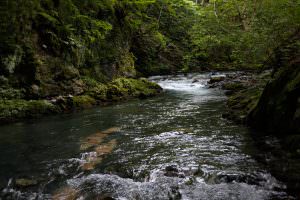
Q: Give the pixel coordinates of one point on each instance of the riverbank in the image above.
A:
(243, 90)
(15, 107)
(251, 100)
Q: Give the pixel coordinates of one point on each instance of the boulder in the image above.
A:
(279, 106)
(22, 182)
(216, 79)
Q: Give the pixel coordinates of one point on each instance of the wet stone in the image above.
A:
(171, 171)
(22, 182)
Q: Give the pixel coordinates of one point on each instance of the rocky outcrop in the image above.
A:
(243, 90)
(278, 110)
(13, 105)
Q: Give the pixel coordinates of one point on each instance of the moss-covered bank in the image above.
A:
(278, 110)
(14, 108)
(243, 90)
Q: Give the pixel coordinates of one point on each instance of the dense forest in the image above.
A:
(57, 56)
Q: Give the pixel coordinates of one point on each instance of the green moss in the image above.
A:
(11, 110)
(46, 18)
(276, 111)
(135, 87)
(233, 86)
(84, 101)
(116, 93)
(11, 93)
(99, 92)
(121, 88)
(126, 65)
(95, 92)
(241, 103)
(89, 82)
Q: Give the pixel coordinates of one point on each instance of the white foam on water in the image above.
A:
(183, 83)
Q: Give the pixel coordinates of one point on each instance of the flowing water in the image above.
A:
(174, 146)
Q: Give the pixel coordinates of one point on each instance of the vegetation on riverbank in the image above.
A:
(95, 93)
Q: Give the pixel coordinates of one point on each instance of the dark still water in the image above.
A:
(174, 146)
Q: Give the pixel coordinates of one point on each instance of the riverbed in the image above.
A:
(173, 146)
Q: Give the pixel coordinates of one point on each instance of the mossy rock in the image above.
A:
(95, 93)
(233, 87)
(277, 111)
(121, 88)
(22, 182)
(241, 103)
(83, 101)
(136, 87)
(12, 110)
(11, 93)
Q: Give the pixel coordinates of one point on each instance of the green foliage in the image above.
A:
(11, 93)
(83, 101)
(133, 87)
(98, 91)
(242, 34)
(121, 88)
(15, 109)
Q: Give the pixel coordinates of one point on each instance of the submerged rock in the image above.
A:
(216, 78)
(99, 149)
(97, 138)
(22, 182)
(65, 193)
(171, 171)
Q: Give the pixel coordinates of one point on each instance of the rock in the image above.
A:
(11, 93)
(35, 89)
(83, 101)
(216, 79)
(78, 87)
(70, 72)
(171, 168)
(171, 171)
(225, 177)
(277, 110)
(233, 86)
(22, 182)
(65, 193)
(67, 95)
(106, 198)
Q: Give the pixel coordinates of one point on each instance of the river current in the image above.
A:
(174, 146)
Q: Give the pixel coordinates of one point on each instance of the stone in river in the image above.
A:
(216, 78)
(22, 182)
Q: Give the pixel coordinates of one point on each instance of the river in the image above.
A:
(173, 146)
